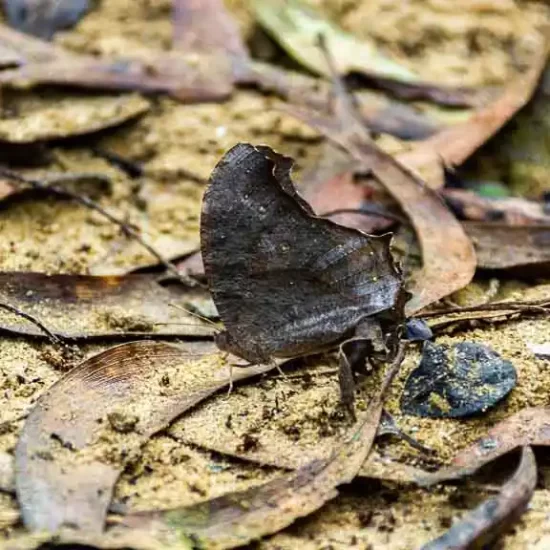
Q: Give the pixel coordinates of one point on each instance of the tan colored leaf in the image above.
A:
(93, 422)
(70, 116)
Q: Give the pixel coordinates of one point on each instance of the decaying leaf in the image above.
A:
(297, 28)
(206, 27)
(92, 422)
(67, 116)
(451, 383)
(190, 77)
(530, 426)
(43, 18)
(238, 518)
(448, 255)
(7, 473)
(523, 249)
(285, 282)
(79, 306)
(455, 144)
(481, 526)
(468, 205)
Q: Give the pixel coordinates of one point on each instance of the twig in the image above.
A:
(534, 305)
(92, 205)
(54, 339)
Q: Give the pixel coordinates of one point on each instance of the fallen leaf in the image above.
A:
(43, 18)
(67, 116)
(191, 77)
(530, 426)
(521, 249)
(455, 144)
(7, 473)
(380, 113)
(466, 379)
(485, 523)
(468, 205)
(448, 255)
(285, 282)
(93, 422)
(206, 26)
(80, 306)
(238, 518)
(297, 28)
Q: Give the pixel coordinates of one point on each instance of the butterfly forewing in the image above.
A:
(284, 281)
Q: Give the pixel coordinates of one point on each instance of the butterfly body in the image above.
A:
(285, 282)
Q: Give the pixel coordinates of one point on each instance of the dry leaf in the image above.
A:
(239, 518)
(522, 249)
(68, 117)
(482, 525)
(80, 306)
(530, 426)
(93, 422)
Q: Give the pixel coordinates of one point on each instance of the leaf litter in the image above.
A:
(174, 142)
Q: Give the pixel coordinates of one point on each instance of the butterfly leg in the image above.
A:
(346, 382)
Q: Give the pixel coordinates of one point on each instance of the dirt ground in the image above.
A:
(234, 441)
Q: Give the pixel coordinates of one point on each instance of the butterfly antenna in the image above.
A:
(194, 314)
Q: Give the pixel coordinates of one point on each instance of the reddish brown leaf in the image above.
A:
(486, 522)
(523, 249)
(79, 306)
(455, 144)
(206, 26)
(448, 255)
(192, 77)
(91, 423)
(531, 426)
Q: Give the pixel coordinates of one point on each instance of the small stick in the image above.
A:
(54, 339)
(92, 205)
(536, 305)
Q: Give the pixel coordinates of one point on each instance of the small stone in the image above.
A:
(467, 379)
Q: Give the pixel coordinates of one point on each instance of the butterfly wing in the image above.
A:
(284, 281)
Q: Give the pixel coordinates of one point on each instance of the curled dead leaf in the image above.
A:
(495, 515)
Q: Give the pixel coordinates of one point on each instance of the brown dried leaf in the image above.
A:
(191, 77)
(448, 255)
(238, 518)
(455, 144)
(206, 26)
(523, 249)
(68, 117)
(510, 211)
(495, 515)
(530, 426)
(93, 422)
(79, 306)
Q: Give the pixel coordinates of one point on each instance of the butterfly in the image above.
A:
(286, 282)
